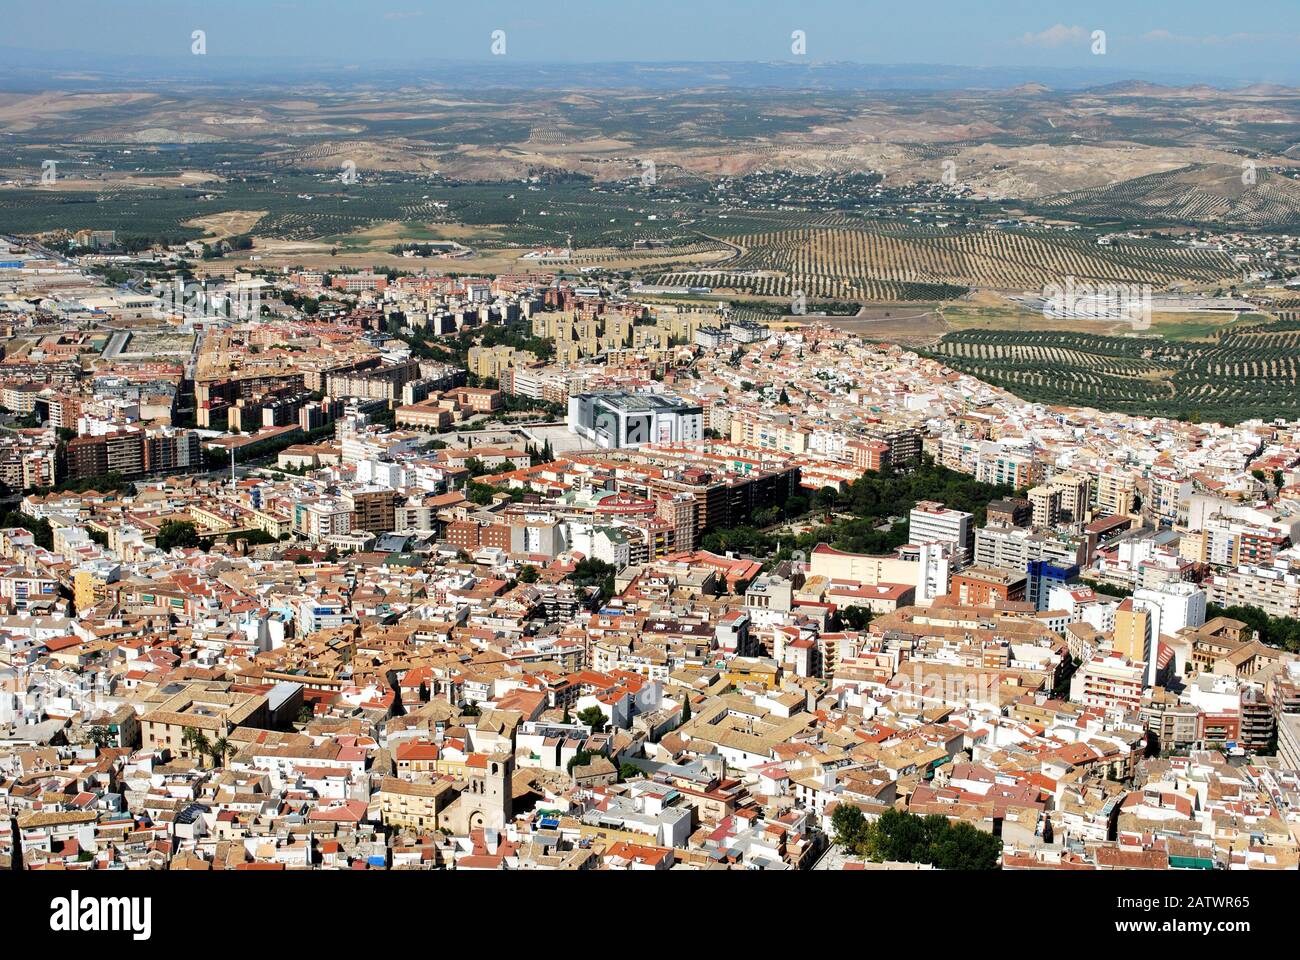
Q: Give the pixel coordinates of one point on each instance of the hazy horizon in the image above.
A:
(1184, 42)
(17, 76)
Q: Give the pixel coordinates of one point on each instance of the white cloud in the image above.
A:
(1055, 36)
(1167, 36)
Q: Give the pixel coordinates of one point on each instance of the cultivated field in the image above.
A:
(1244, 372)
(860, 263)
(1197, 193)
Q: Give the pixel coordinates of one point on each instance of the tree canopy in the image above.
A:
(877, 505)
(906, 838)
(593, 717)
(177, 533)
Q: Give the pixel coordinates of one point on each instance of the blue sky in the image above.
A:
(1250, 40)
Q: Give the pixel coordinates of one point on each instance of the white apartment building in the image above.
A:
(931, 522)
(1012, 548)
(1274, 591)
(1109, 682)
(325, 517)
(1083, 605)
(1172, 606)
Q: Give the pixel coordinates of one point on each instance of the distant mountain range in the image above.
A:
(25, 70)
